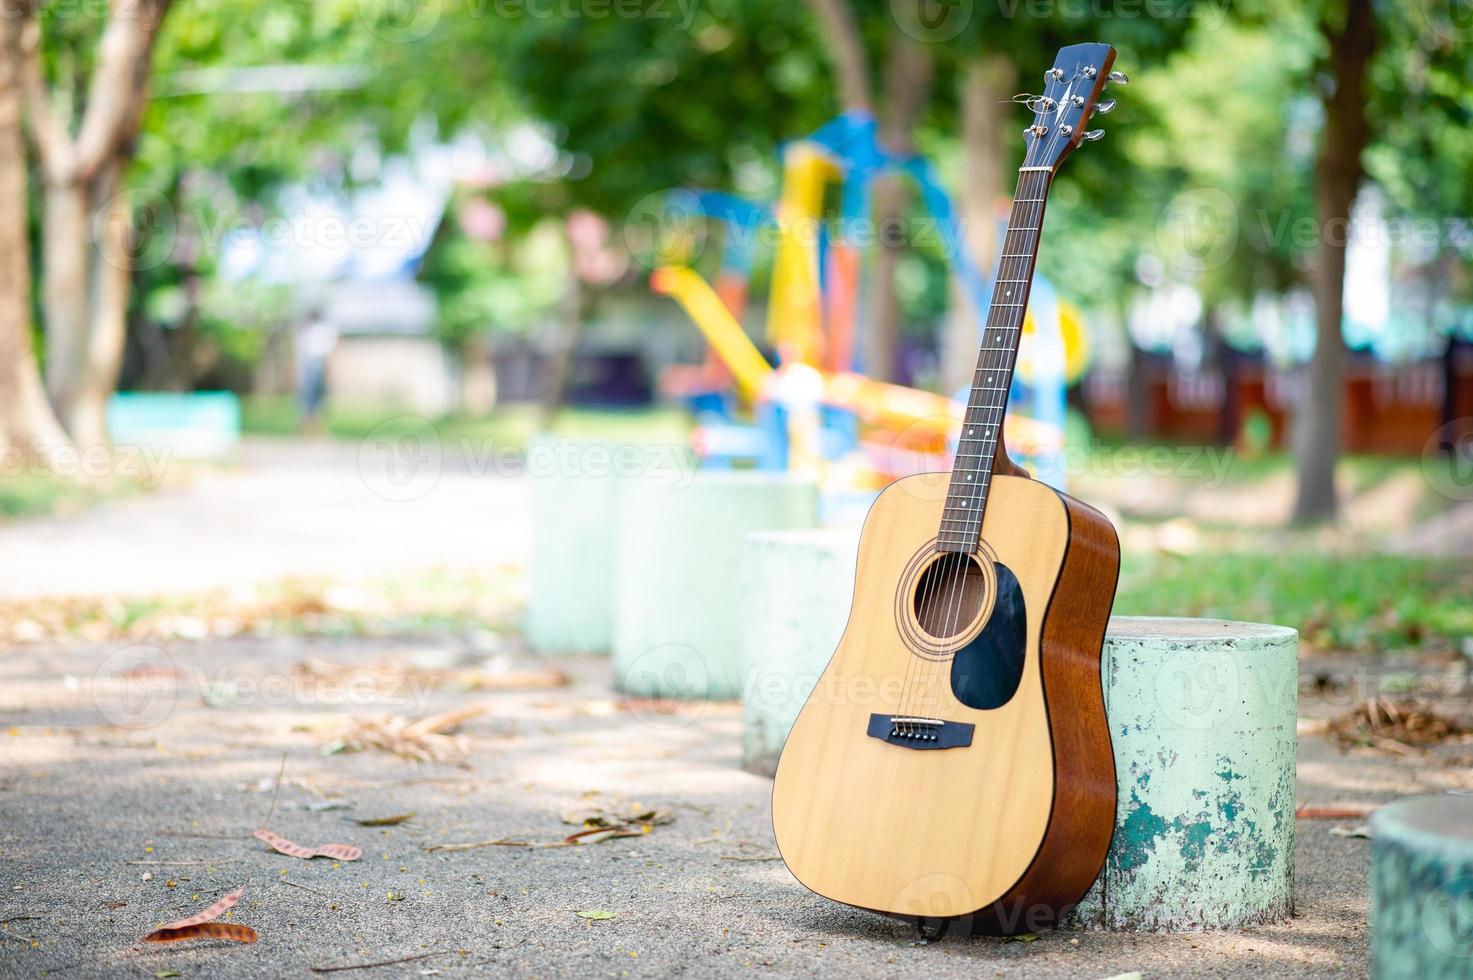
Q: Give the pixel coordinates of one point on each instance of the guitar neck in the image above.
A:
(981, 433)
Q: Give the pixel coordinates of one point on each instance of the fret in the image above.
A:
(966, 497)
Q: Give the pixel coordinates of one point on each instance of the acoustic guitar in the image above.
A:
(954, 759)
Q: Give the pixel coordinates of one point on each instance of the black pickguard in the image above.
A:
(986, 672)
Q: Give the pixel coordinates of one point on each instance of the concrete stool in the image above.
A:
(570, 604)
(1202, 716)
(677, 561)
(1422, 889)
(796, 589)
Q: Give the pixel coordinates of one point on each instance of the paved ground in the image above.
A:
(342, 510)
(86, 805)
(131, 779)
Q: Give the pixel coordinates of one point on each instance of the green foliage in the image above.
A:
(1370, 603)
(509, 285)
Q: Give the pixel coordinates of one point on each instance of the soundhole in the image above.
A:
(949, 595)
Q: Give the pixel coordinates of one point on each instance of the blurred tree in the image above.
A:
(1350, 34)
(86, 218)
(28, 427)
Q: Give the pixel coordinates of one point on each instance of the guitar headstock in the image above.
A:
(1071, 96)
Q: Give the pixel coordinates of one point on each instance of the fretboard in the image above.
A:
(981, 432)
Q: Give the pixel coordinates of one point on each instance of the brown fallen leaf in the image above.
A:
(616, 813)
(343, 852)
(1396, 724)
(1309, 812)
(427, 740)
(202, 925)
(597, 835)
(513, 680)
(393, 821)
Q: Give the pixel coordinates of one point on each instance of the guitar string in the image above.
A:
(923, 694)
(961, 564)
(1033, 199)
(920, 695)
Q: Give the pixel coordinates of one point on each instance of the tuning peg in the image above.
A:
(1094, 135)
(1105, 107)
(1119, 78)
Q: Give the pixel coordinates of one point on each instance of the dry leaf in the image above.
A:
(1307, 811)
(384, 821)
(201, 925)
(1395, 724)
(513, 680)
(596, 914)
(342, 852)
(1361, 831)
(427, 740)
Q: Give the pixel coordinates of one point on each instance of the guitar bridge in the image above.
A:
(914, 732)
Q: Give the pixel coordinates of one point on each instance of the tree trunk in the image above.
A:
(85, 262)
(108, 324)
(985, 83)
(66, 258)
(560, 359)
(845, 49)
(907, 88)
(27, 425)
(1337, 179)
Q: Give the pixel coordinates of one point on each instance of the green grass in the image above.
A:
(36, 495)
(1368, 603)
(512, 426)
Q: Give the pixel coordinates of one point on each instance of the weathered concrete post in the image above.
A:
(570, 604)
(796, 588)
(1422, 889)
(1202, 716)
(677, 562)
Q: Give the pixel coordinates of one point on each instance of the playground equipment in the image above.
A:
(817, 412)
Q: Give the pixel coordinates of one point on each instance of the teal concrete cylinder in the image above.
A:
(1202, 717)
(796, 592)
(570, 600)
(677, 561)
(1422, 889)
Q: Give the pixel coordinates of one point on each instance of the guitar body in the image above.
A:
(997, 798)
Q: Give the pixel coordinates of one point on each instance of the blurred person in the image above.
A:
(315, 342)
